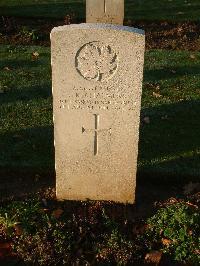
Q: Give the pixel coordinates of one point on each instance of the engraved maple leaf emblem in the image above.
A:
(96, 61)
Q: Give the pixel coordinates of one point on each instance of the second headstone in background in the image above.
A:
(105, 11)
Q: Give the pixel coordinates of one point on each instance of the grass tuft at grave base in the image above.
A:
(169, 133)
(42, 231)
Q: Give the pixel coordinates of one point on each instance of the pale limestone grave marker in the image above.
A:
(105, 11)
(97, 80)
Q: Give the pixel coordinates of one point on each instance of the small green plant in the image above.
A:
(176, 230)
(116, 249)
(28, 34)
(88, 235)
(7, 222)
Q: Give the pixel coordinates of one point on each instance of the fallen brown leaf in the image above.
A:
(191, 187)
(140, 228)
(190, 232)
(44, 201)
(146, 120)
(166, 242)
(5, 245)
(35, 55)
(192, 205)
(154, 257)
(57, 213)
(7, 68)
(172, 200)
(157, 95)
(45, 210)
(197, 251)
(37, 177)
(192, 56)
(18, 229)
(6, 250)
(173, 71)
(153, 86)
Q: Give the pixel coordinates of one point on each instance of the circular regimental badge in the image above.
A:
(96, 61)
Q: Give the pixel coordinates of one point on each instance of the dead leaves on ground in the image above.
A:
(57, 213)
(7, 68)
(5, 249)
(18, 229)
(166, 242)
(35, 56)
(146, 120)
(191, 188)
(156, 89)
(157, 95)
(192, 56)
(152, 86)
(173, 200)
(154, 258)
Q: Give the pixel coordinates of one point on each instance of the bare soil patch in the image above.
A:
(159, 34)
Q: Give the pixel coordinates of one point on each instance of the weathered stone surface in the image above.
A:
(97, 80)
(105, 11)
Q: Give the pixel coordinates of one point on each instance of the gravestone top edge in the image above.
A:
(100, 26)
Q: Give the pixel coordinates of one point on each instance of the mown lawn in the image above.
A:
(173, 10)
(169, 144)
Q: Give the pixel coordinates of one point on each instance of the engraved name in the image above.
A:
(95, 99)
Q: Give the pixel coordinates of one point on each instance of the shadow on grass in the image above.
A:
(27, 94)
(170, 73)
(33, 79)
(169, 151)
(25, 64)
(161, 10)
(49, 10)
(26, 161)
(32, 148)
(170, 144)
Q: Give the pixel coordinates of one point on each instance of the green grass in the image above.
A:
(95, 233)
(169, 144)
(174, 10)
(26, 108)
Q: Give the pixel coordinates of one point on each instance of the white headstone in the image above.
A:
(97, 85)
(105, 11)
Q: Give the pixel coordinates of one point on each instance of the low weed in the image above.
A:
(88, 233)
(175, 230)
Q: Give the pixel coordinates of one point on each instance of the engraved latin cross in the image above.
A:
(96, 132)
